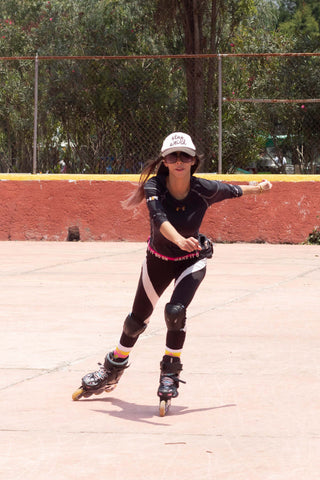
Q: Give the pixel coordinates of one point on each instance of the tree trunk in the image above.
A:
(194, 70)
(211, 87)
(201, 73)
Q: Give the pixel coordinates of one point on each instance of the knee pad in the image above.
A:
(175, 316)
(133, 327)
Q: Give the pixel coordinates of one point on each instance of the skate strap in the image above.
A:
(174, 377)
(181, 381)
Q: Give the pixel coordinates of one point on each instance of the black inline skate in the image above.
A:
(103, 380)
(169, 382)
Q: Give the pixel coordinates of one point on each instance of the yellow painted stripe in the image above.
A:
(25, 177)
(258, 177)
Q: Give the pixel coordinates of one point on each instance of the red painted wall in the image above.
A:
(45, 209)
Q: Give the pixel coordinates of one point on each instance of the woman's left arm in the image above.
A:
(261, 187)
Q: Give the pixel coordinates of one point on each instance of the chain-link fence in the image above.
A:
(253, 112)
(276, 99)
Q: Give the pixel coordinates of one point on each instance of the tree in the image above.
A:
(204, 27)
(301, 20)
(246, 126)
(93, 108)
(121, 109)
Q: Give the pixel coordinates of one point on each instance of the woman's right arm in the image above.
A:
(170, 233)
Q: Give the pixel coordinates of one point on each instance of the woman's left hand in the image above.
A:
(265, 185)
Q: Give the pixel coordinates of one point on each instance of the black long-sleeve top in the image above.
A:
(185, 215)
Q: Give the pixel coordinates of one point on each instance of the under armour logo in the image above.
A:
(149, 199)
(181, 208)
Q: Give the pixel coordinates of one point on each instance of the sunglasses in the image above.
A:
(175, 156)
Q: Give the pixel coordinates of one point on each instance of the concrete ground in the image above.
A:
(250, 409)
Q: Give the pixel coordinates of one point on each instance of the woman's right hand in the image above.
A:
(188, 244)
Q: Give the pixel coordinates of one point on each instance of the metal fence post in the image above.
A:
(35, 124)
(220, 114)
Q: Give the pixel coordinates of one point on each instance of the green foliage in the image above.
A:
(81, 104)
(304, 28)
(314, 237)
(90, 110)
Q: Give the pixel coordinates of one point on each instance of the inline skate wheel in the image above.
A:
(77, 394)
(164, 407)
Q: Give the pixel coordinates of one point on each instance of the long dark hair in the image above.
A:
(152, 167)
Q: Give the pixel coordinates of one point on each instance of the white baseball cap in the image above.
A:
(178, 142)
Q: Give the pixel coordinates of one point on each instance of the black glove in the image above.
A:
(206, 246)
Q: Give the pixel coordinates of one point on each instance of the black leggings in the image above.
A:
(156, 276)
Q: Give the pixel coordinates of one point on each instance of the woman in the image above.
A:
(177, 202)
